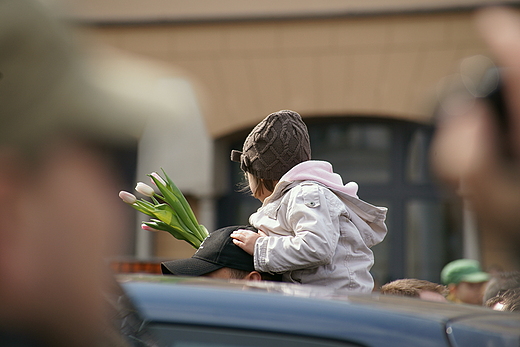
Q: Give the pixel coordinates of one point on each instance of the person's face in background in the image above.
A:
(469, 293)
(60, 219)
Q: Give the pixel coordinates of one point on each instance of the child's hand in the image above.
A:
(246, 239)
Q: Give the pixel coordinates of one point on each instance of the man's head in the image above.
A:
(217, 257)
(465, 280)
(501, 282)
(416, 288)
(59, 212)
(508, 300)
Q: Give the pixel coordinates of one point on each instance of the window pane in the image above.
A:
(417, 168)
(381, 269)
(389, 160)
(425, 239)
(359, 152)
(236, 207)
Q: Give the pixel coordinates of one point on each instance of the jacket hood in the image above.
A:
(320, 171)
(369, 219)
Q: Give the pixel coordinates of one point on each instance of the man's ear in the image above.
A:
(253, 276)
(452, 287)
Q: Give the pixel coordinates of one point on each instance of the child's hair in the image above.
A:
(261, 184)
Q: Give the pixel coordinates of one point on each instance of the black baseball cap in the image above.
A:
(215, 252)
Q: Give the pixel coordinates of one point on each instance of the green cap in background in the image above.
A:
(463, 270)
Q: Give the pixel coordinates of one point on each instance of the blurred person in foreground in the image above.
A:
(468, 147)
(60, 118)
(465, 280)
(416, 288)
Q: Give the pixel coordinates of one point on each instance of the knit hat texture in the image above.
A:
(274, 146)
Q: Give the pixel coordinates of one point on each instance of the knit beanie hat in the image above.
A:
(274, 146)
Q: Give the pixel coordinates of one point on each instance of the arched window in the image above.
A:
(389, 161)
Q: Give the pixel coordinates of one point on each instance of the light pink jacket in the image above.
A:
(319, 231)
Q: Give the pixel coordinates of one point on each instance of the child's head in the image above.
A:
(274, 146)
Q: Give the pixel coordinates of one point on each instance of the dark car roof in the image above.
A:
(371, 320)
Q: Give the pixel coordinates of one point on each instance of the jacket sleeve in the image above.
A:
(311, 213)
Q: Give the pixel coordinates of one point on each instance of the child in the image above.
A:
(313, 229)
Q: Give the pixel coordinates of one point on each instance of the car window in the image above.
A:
(187, 336)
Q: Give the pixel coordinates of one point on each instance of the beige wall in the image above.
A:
(383, 65)
(374, 66)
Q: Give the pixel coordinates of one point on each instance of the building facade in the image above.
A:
(363, 77)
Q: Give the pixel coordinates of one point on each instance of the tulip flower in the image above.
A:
(127, 197)
(169, 210)
(145, 189)
(148, 228)
(157, 177)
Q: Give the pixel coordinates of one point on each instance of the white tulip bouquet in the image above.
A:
(169, 210)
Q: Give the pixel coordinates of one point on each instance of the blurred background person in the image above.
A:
(465, 280)
(416, 288)
(63, 124)
(508, 300)
(501, 282)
